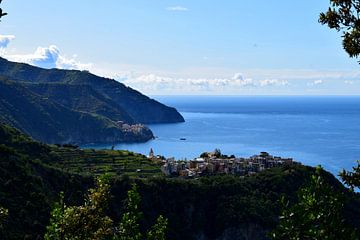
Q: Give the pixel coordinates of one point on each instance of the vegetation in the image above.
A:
(3, 215)
(2, 14)
(89, 221)
(105, 97)
(352, 179)
(30, 181)
(68, 106)
(49, 121)
(130, 223)
(343, 15)
(86, 222)
(33, 174)
(318, 214)
(98, 162)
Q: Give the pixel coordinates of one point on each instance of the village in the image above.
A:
(213, 163)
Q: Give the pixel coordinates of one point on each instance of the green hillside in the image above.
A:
(48, 121)
(219, 207)
(139, 107)
(32, 175)
(81, 98)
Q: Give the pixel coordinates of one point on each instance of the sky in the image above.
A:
(185, 47)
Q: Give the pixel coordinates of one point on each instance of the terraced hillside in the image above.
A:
(96, 162)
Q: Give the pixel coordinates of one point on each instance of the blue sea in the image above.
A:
(321, 130)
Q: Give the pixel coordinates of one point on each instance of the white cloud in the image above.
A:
(349, 82)
(315, 82)
(273, 82)
(154, 83)
(177, 9)
(49, 57)
(45, 57)
(4, 42)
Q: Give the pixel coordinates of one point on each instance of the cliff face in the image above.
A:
(51, 122)
(116, 95)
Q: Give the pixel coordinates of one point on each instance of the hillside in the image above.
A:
(31, 178)
(81, 98)
(218, 207)
(48, 121)
(139, 107)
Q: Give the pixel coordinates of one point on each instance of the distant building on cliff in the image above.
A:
(151, 153)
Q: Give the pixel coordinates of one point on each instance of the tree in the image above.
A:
(130, 222)
(3, 215)
(90, 222)
(217, 152)
(158, 231)
(129, 225)
(344, 15)
(352, 179)
(1, 12)
(316, 215)
(87, 222)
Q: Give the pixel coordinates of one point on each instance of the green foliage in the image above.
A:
(352, 179)
(129, 225)
(3, 215)
(318, 214)
(103, 100)
(30, 181)
(1, 12)
(28, 187)
(343, 15)
(96, 162)
(217, 152)
(158, 231)
(55, 230)
(89, 221)
(86, 222)
(35, 114)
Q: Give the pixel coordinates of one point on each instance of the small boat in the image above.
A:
(182, 139)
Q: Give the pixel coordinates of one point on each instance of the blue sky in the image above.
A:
(185, 47)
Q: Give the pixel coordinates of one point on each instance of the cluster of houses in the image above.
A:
(212, 164)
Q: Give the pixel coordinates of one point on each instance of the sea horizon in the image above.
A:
(314, 131)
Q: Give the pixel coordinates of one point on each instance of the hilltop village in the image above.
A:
(213, 163)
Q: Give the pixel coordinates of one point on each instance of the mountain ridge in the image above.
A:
(71, 106)
(50, 122)
(140, 107)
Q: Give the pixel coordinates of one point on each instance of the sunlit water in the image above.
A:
(313, 130)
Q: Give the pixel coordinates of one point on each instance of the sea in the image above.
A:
(314, 130)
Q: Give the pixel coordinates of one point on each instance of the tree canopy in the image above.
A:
(1, 12)
(316, 215)
(89, 221)
(343, 15)
(352, 178)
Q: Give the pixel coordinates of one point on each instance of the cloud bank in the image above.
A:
(45, 57)
(315, 83)
(177, 9)
(262, 81)
(156, 83)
